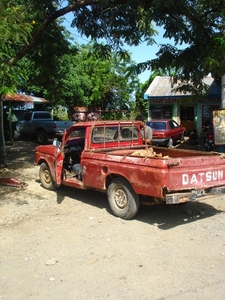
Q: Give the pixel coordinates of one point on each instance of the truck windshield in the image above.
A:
(27, 117)
(77, 136)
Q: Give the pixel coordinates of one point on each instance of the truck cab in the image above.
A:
(89, 136)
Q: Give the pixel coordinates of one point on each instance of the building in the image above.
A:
(19, 103)
(192, 111)
(16, 105)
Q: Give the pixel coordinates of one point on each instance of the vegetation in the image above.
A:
(33, 30)
(15, 30)
(80, 77)
(199, 24)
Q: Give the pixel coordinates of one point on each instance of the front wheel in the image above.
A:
(123, 200)
(182, 137)
(46, 177)
(170, 143)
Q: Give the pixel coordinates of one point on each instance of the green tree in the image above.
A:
(15, 30)
(42, 63)
(82, 78)
(200, 26)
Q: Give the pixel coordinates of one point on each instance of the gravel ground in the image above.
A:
(66, 244)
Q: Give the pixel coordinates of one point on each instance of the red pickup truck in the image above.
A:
(109, 156)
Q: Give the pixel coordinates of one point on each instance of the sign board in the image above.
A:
(219, 126)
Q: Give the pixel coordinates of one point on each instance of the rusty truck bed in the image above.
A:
(169, 171)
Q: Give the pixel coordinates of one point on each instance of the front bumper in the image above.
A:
(160, 142)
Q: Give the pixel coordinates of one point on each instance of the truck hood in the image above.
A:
(48, 150)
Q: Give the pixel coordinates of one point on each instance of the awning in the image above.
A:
(24, 98)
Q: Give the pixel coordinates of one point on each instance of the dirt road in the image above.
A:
(67, 245)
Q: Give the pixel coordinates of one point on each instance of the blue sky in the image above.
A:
(145, 52)
(139, 53)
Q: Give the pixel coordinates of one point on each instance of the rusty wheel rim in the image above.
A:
(47, 177)
(120, 198)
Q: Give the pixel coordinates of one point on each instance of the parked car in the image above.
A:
(166, 132)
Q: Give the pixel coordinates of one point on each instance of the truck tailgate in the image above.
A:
(198, 172)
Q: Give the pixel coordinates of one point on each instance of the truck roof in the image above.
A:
(125, 132)
(37, 111)
(108, 122)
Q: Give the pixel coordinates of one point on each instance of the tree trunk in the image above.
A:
(2, 136)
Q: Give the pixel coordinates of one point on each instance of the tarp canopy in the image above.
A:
(24, 98)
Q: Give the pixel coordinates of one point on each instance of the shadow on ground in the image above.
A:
(166, 216)
(20, 154)
(188, 144)
(163, 216)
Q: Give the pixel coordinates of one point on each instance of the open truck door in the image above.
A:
(59, 159)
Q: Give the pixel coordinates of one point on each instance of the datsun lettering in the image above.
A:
(109, 156)
(201, 177)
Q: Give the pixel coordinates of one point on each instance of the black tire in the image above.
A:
(182, 137)
(46, 177)
(208, 147)
(42, 137)
(123, 200)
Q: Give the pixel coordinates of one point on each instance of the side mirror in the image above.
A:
(57, 143)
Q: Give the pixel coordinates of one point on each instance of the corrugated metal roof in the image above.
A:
(161, 86)
(24, 98)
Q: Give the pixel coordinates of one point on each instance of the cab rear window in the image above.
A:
(42, 116)
(109, 134)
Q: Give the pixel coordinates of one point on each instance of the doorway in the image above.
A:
(187, 116)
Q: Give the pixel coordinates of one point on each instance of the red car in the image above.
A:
(166, 132)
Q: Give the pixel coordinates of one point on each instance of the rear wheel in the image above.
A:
(123, 200)
(42, 137)
(46, 177)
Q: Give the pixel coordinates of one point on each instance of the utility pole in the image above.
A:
(223, 91)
